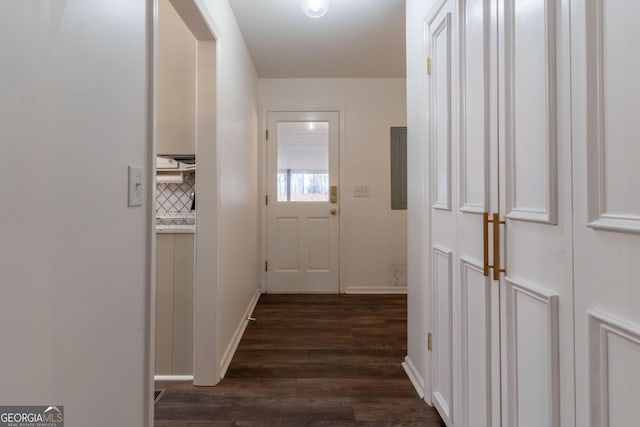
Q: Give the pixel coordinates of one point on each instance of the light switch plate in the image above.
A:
(135, 186)
(361, 191)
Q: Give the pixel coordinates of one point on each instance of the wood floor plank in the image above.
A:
(354, 387)
(381, 410)
(309, 360)
(259, 409)
(324, 369)
(185, 391)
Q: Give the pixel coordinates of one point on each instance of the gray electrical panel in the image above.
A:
(399, 168)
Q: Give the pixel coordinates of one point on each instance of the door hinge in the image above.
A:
(266, 200)
(429, 342)
(428, 66)
(266, 266)
(267, 134)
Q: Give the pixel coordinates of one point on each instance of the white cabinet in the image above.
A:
(174, 304)
(176, 83)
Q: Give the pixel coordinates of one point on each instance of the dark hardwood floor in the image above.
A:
(310, 360)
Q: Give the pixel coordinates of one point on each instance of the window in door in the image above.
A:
(303, 161)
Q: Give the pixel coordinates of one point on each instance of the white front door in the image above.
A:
(303, 202)
(606, 157)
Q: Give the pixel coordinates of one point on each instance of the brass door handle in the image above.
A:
(333, 211)
(496, 245)
(485, 242)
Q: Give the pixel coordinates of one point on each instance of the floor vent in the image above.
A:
(157, 395)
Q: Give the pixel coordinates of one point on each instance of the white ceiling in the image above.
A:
(356, 38)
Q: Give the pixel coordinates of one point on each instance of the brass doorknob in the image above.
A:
(333, 211)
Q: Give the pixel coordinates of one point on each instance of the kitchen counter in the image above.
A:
(181, 228)
(165, 224)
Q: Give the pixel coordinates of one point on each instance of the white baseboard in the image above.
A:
(375, 290)
(237, 336)
(414, 376)
(173, 377)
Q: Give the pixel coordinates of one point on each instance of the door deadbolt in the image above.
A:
(334, 194)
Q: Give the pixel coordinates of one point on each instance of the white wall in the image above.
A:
(418, 218)
(74, 258)
(373, 236)
(238, 237)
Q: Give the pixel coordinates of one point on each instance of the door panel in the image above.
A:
(442, 381)
(533, 356)
(475, 83)
(287, 258)
(615, 377)
(606, 159)
(479, 296)
(441, 112)
(318, 230)
(536, 241)
(302, 225)
(530, 114)
(619, 97)
(613, 104)
(444, 203)
(479, 350)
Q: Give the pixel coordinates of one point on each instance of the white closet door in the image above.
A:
(477, 165)
(510, 338)
(535, 202)
(440, 44)
(606, 129)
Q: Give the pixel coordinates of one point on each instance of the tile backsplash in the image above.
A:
(173, 202)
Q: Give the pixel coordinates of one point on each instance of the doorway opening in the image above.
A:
(184, 328)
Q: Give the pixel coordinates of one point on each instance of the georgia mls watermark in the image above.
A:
(32, 416)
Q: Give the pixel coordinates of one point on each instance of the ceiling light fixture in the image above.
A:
(315, 8)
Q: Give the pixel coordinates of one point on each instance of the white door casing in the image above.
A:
(606, 221)
(302, 235)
